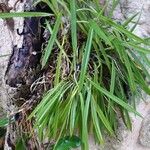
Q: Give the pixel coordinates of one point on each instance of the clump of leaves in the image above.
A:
(67, 143)
(96, 65)
(104, 65)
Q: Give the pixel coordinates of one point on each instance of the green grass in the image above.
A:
(24, 14)
(104, 66)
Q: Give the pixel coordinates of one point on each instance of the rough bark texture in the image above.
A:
(9, 38)
(139, 138)
(20, 69)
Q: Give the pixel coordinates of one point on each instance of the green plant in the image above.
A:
(107, 56)
(104, 65)
(68, 143)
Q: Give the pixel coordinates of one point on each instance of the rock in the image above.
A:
(7, 38)
(144, 136)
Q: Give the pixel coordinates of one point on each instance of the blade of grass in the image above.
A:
(137, 60)
(115, 98)
(136, 23)
(60, 46)
(85, 59)
(111, 109)
(112, 85)
(74, 31)
(24, 14)
(102, 117)
(131, 80)
(121, 29)
(46, 99)
(125, 113)
(85, 118)
(84, 130)
(129, 19)
(53, 100)
(48, 106)
(96, 123)
(136, 47)
(73, 116)
(58, 68)
(100, 32)
(49, 47)
(4, 122)
(114, 5)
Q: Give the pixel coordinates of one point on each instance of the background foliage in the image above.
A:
(97, 68)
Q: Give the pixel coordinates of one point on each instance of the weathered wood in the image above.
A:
(23, 61)
(19, 68)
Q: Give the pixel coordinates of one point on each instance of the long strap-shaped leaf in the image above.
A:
(85, 59)
(24, 14)
(51, 41)
(115, 98)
